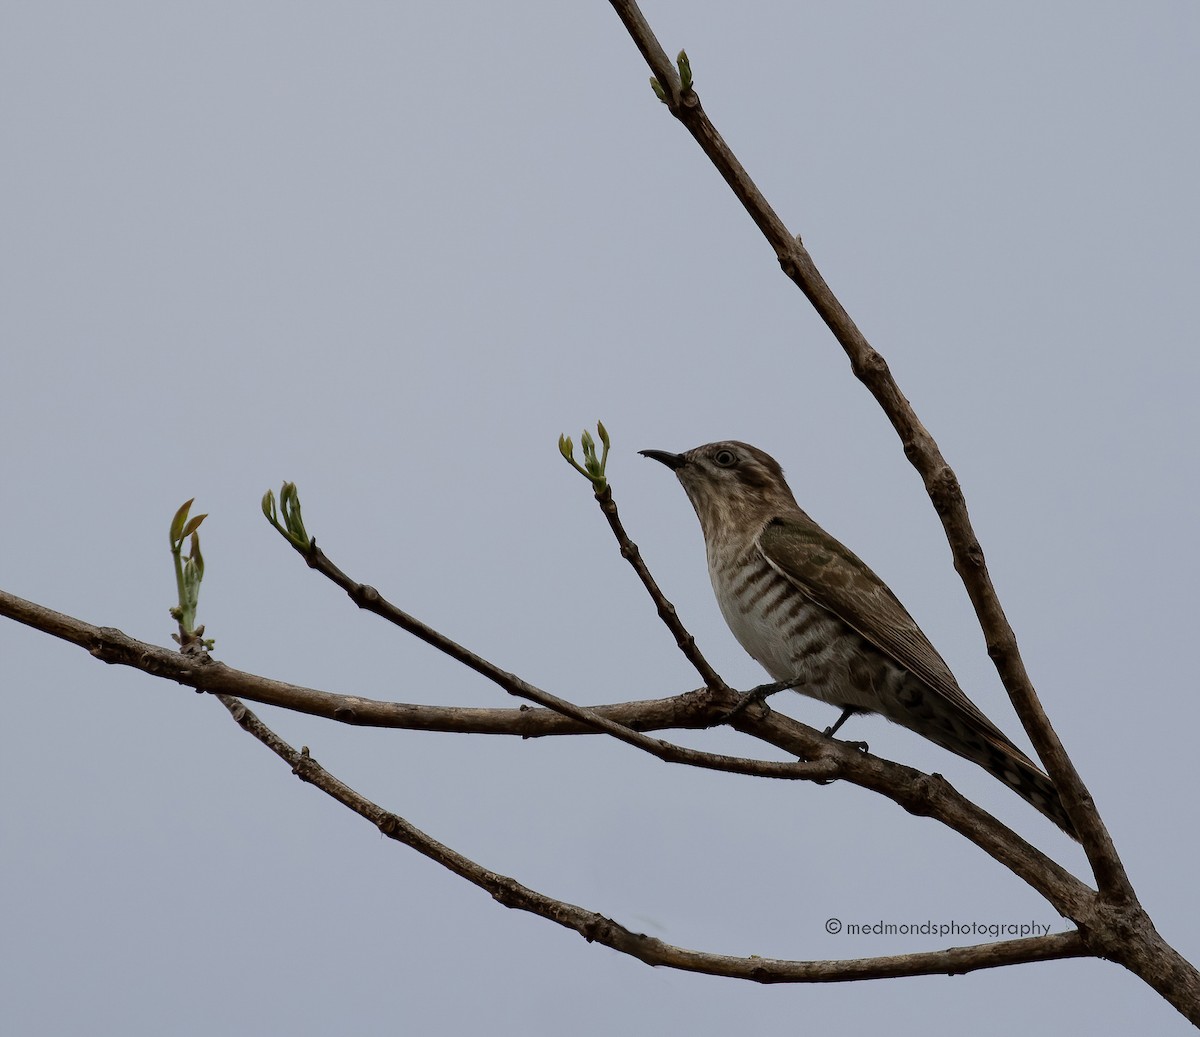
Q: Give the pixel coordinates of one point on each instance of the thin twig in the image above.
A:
(368, 598)
(666, 610)
(596, 928)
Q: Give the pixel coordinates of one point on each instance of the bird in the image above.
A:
(810, 611)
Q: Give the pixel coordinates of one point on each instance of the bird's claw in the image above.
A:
(758, 697)
(749, 699)
(860, 746)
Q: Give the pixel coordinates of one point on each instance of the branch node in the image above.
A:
(760, 974)
(304, 764)
(923, 792)
(595, 928)
(870, 366)
(103, 647)
(346, 715)
(944, 490)
(364, 595)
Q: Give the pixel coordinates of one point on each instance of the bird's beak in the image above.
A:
(672, 461)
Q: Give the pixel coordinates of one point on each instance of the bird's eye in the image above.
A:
(725, 458)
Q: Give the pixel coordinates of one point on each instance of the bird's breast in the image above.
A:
(779, 626)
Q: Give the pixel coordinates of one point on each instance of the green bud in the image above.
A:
(289, 497)
(685, 70)
(195, 558)
(593, 466)
(292, 525)
(659, 92)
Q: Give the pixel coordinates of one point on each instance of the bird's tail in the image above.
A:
(971, 735)
(1006, 762)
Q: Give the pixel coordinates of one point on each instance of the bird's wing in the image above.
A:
(834, 577)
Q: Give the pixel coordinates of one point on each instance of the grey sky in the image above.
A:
(390, 252)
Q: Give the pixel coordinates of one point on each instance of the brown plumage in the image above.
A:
(807, 607)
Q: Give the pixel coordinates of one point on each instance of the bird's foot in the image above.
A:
(860, 746)
(751, 698)
(758, 696)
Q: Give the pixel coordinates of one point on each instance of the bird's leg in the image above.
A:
(847, 713)
(829, 732)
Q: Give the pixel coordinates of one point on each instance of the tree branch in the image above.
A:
(918, 793)
(596, 928)
(919, 446)
(931, 795)
(692, 710)
(666, 610)
(368, 598)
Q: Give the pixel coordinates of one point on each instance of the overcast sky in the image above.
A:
(390, 251)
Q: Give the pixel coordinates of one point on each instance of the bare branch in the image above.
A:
(931, 795)
(371, 600)
(666, 611)
(691, 710)
(596, 928)
(918, 793)
(919, 446)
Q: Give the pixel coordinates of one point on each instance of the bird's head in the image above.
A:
(731, 485)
